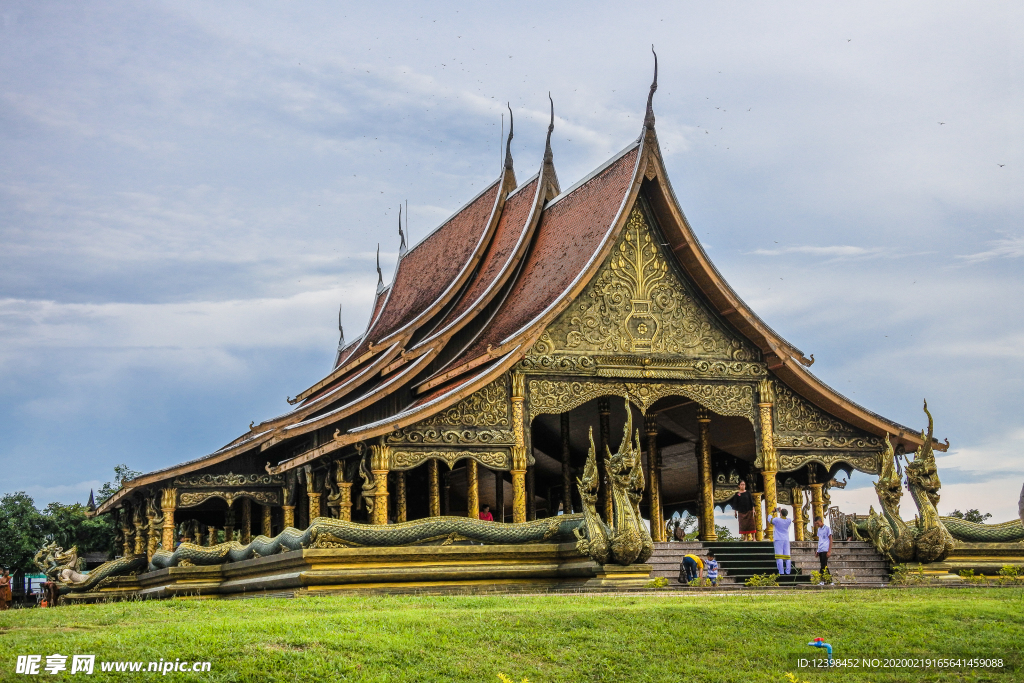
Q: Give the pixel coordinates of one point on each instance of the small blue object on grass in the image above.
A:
(818, 642)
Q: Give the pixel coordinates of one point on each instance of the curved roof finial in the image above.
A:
(508, 144)
(341, 331)
(401, 235)
(548, 156)
(649, 119)
(380, 275)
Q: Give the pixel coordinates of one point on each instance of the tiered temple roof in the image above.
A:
(471, 300)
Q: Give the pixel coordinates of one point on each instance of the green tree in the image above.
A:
(122, 473)
(69, 526)
(972, 515)
(723, 533)
(22, 530)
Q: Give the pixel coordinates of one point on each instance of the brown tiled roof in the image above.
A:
(511, 226)
(570, 233)
(433, 265)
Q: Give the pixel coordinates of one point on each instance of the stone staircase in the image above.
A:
(738, 561)
(853, 562)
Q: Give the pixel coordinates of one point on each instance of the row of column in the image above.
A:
(143, 533)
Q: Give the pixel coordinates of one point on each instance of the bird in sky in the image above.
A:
(942, 123)
(1000, 165)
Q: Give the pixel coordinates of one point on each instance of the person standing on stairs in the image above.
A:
(777, 518)
(824, 545)
(743, 505)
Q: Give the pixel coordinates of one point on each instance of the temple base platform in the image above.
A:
(401, 570)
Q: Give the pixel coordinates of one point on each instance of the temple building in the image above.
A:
(531, 319)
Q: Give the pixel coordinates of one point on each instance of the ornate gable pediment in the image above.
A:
(640, 304)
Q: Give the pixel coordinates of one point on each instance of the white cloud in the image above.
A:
(1011, 247)
(843, 251)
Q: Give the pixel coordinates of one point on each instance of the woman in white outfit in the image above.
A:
(781, 536)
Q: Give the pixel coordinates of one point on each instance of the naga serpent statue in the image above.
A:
(932, 542)
(888, 532)
(63, 568)
(933, 537)
(627, 541)
(326, 532)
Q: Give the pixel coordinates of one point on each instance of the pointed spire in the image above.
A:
(92, 502)
(380, 275)
(401, 235)
(548, 156)
(341, 331)
(649, 119)
(508, 144)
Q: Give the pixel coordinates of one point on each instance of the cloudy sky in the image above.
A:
(189, 190)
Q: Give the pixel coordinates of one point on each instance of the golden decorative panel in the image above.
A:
(486, 407)
(865, 463)
(193, 498)
(800, 424)
(554, 396)
(204, 480)
(639, 303)
(407, 460)
(481, 419)
(455, 437)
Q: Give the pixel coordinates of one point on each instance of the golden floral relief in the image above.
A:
(638, 303)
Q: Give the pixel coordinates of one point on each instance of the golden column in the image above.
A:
(769, 457)
(434, 483)
(816, 501)
(758, 517)
(267, 528)
(312, 494)
(380, 465)
(127, 531)
(797, 498)
(229, 523)
(211, 535)
(658, 534)
(499, 496)
(566, 466)
(400, 511)
(604, 499)
(472, 490)
(345, 504)
(707, 487)
(245, 534)
(139, 521)
(168, 503)
(519, 458)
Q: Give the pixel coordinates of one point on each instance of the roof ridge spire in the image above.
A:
(402, 248)
(341, 330)
(508, 143)
(649, 119)
(548, 156)
(380, 275)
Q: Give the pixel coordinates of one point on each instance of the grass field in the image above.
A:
(669, 637)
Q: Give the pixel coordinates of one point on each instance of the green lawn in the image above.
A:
(665, 637)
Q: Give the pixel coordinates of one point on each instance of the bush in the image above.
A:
(759, 580)
(824, 575)
(902, 575)
(1010, 573)
(658, 582)
(704, 582)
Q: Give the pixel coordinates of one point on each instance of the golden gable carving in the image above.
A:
(637, 303)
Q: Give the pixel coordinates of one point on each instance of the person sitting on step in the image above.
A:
(711, 565)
